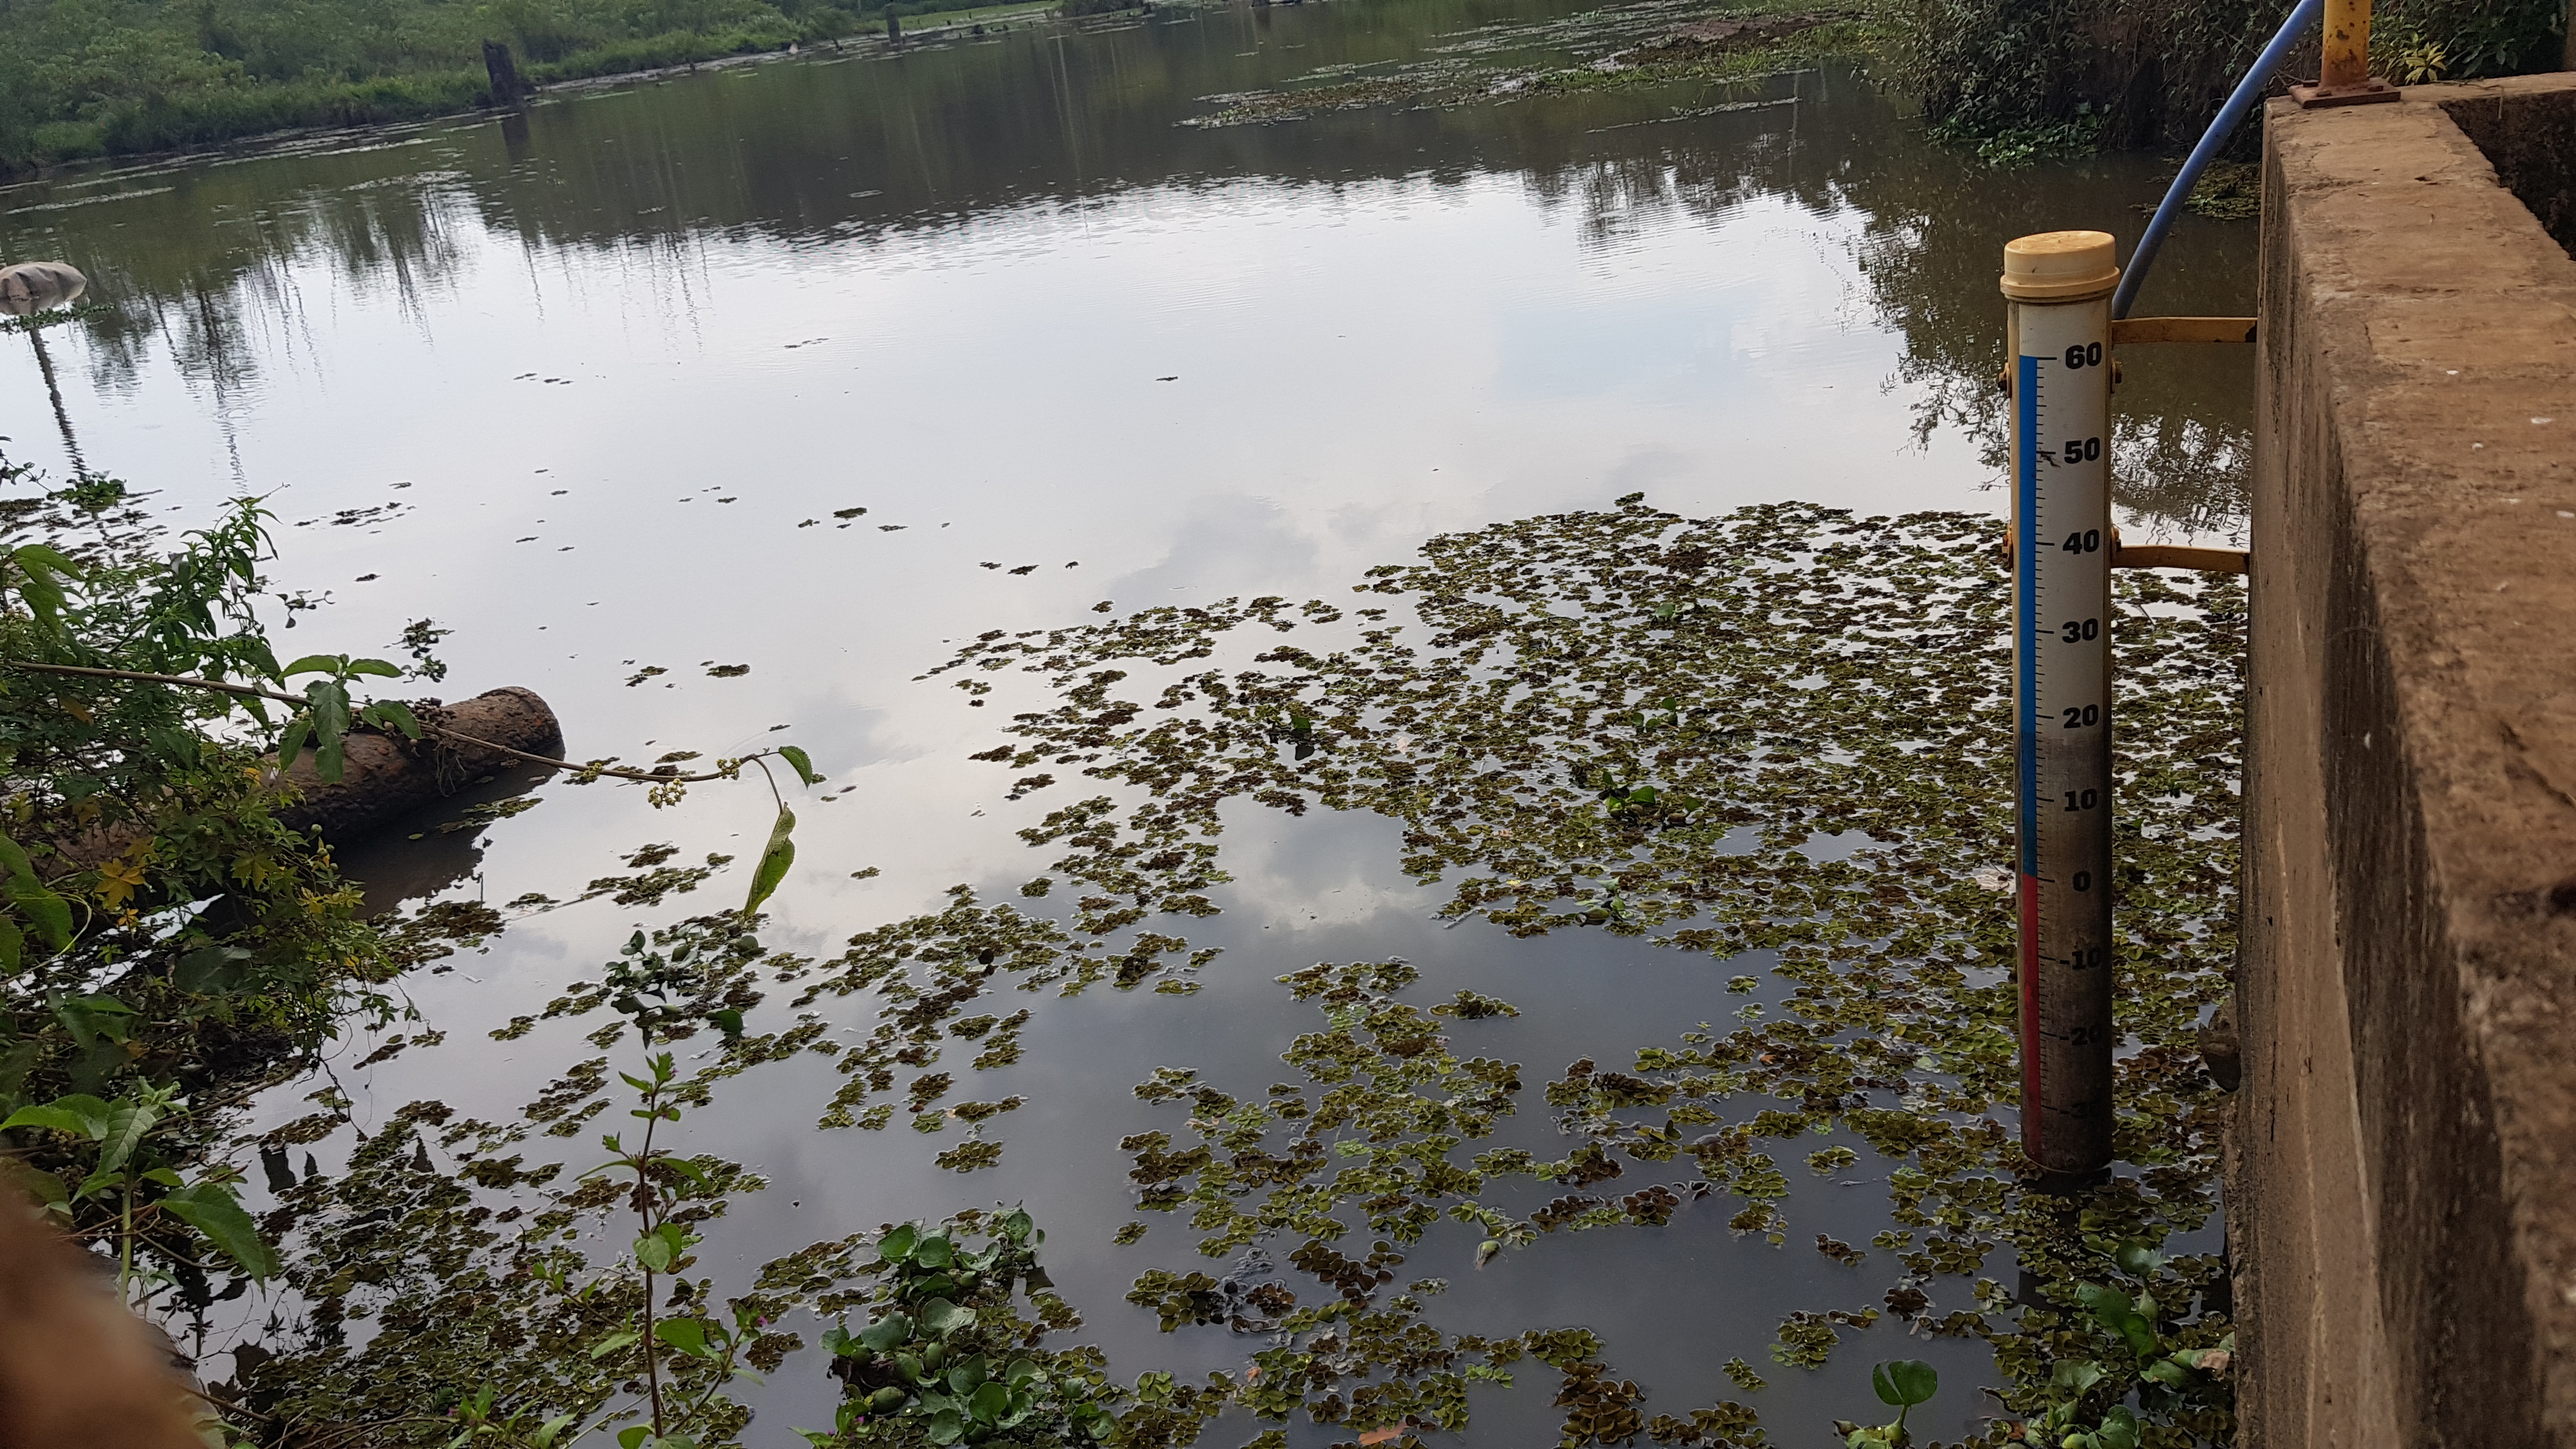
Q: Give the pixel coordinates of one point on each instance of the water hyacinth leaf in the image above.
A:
(991, 1402)
(1904, 1382)
(774, 860)
(897, 1245)
(213, 1211)
(886, 1332)
(935, 1252)
(947, 1427)
(940, 1318)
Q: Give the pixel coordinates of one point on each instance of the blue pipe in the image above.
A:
(2238, 103)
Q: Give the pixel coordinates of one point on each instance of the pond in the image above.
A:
(822, 369)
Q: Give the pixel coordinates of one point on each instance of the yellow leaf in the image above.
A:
(118, 880)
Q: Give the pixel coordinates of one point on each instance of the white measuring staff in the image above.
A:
(2058, 288)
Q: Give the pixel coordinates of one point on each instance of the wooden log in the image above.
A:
(386, 777)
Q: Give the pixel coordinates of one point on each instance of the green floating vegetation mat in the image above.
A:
(1783, 731)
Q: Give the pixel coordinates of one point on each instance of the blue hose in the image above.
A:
(2240, 101)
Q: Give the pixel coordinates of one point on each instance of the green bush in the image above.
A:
(2150, 72)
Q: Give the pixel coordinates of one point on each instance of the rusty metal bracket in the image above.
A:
(2181, 329)
(2162, 556)
(2317, 97)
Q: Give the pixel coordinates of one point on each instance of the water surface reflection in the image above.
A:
(599, 387)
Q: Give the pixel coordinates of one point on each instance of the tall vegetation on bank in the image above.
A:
(2033, 77)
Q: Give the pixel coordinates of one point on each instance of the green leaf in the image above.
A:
(50, 914)
(1016, 1226)
(941, 1318)
(728, 1021)
(395, 713)
(803, 763)
(991, 1402)
(935, 1252)
(633, 1436)
(44, 1187)
(53, 1116)
(550, 1430)
(656, 1252)
(613, 1343)
(41, 589)
(212, 1210)
(376, 667)
(1905, 1382)
(312, 664)
(688, 1335)
(780, 854)
(126, 1125)
(2119, 1429)
(947, 1427)
(291, 744)
(886, 1332)
(13, 946)
(1020, 1372)
(14, 856)
(896, 1246)
(208, 970)
(2075, 1377)
(330, 710)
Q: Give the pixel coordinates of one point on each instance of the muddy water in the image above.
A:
(592, 388)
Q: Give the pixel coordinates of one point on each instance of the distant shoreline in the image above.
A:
(283, 112)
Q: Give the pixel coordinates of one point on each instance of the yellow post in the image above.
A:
(2347, 45)
(2343, 77)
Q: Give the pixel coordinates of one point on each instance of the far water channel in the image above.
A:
(588, 386)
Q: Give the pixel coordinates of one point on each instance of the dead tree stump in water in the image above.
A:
(894, 26)
(385, 777)
(508, 89)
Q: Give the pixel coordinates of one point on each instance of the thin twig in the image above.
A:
(255, 692)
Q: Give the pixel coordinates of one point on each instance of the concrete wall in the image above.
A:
(2403, 1160)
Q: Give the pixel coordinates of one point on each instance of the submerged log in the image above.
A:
(385, 777)
(39, 286)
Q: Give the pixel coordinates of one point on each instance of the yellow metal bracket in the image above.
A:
(2181, 329)
(2162, 556)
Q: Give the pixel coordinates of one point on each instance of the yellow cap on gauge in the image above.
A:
(2061, 266)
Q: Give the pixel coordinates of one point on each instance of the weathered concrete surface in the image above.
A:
(2403, 1164)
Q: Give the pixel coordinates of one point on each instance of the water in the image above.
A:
(589, 387)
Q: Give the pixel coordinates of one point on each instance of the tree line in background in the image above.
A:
(85, 78)
(2017, 78)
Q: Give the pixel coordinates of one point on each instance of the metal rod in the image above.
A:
(2223, 126)
(2058, 288)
